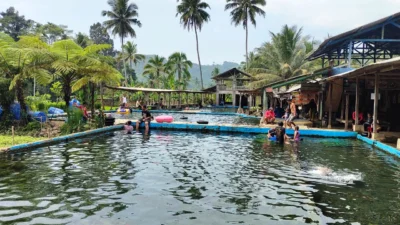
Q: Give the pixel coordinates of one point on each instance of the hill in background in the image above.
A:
(194, 71)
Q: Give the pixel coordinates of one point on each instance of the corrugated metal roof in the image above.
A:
(369, 69)
(340, 39)
(230, 73)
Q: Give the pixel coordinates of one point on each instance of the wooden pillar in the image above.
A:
(343, 107)
(187, 98)
(346, 124)
(357, 102)
(179, 99)
(169, 100)
(330, 106)
(158, 101)
(240, 101)
(376, 101)
(264, 101)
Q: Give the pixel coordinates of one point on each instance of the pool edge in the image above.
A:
(384, 147)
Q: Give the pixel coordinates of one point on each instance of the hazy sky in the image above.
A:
(162, 33)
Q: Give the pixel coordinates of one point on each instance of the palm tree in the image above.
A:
(215, 72)
(154, 70)
(27, 58)
(73, 63)
(242, 12)
(283, 57)
(121, 18)
(180, 65)
(193, 16)
(131, 54)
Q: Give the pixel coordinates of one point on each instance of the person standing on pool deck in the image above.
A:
(146, 118)
(293, 113)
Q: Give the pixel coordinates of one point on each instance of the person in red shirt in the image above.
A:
(270, 116)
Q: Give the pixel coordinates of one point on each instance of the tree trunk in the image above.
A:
(247, 47)
(102, 96)
(123, 61)
(21, 100)
(92, 87)
(85, 94)
(198, 56)
(67, 91)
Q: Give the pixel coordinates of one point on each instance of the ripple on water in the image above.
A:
(196, 178)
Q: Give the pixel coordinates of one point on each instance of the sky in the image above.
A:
(219, 40)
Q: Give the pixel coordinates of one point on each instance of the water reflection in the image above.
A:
(194, 178)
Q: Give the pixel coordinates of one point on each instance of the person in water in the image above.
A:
(296, 136)
(278, 133)
(146, 118)
(128, 127)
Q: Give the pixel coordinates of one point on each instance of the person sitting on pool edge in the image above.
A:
(146, 118)
(279, 132)
(128, 127)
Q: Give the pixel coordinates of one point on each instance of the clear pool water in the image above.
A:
(193, 118)
(199, 178)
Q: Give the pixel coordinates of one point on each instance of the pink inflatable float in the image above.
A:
(164, 119)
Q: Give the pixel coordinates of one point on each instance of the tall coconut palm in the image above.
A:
(154, 70)
(243, 12)
(179, 64)
(131, 54)
(192, 16)
(121, 18)
(283, 57)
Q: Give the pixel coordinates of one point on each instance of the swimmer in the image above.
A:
(128, 127)
(279, 133)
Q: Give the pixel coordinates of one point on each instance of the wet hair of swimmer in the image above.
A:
(280, 124)
(296, 128)
(129, 123)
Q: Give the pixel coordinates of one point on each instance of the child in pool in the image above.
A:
(128, 127)
(296, 134)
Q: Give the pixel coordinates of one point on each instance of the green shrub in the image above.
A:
(41, 107)
(32, 126)
(97, 105)
(74, 122)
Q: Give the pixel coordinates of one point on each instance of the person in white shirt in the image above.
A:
(124, 101)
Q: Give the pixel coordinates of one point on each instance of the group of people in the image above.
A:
(368, 123)
(290, 115)
(146, 119)
(279, 135)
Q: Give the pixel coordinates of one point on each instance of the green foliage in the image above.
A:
(74, 122)
(154, 70)
(56, 89)
(99, 35)
(38, 103)
(179, 64)
(32, 126)
(7, 140)
(6, 99)
(51, 32)
(97, 105)
(13, 24)
(281, 58)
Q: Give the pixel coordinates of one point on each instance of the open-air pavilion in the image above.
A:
(376, 89)
(232, 82)
(165, 96)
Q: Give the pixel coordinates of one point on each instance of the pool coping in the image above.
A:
(59, 139)
(321, 133)
(382, 146)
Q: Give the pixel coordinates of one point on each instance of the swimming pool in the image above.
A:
(194, 117)
(196, 178)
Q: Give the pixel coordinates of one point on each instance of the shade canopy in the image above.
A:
(153, 90)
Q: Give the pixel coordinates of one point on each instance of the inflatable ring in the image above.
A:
(202, 122)
(123, 111)
(164, 119)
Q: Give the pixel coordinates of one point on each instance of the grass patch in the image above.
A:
(7, 141)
